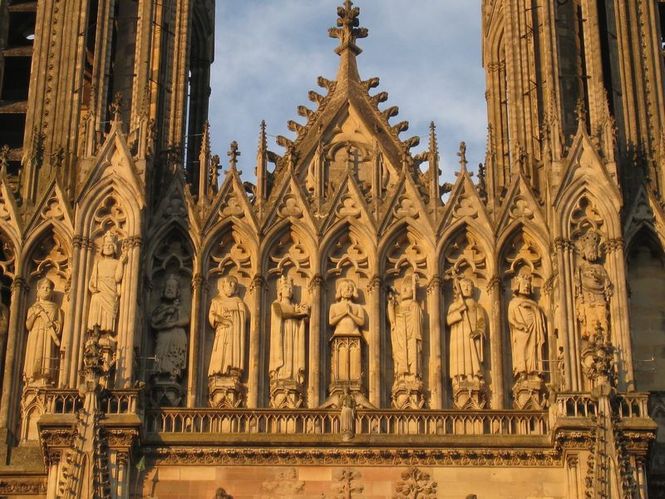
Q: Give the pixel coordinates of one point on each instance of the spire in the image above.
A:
(262, 164)
(348, 31)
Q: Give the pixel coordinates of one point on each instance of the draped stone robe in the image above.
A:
(287, 342)
(528, 330)
(229, 317)
(465, 319)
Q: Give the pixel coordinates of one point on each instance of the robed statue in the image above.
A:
(170, 321)
(347, 318)
(287, 335)
(44, 325)
(104, 285)
(466, 319)
(528, 328)
(406, 330)
(228, 317)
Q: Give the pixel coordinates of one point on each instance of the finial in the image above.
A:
(580, 112)
(116, 106)
(233, 155)
(433, 142)
(4, 159)
(348, 30)
(462, 157)
(205, 179)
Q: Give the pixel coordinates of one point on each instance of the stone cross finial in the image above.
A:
(233, 155)
(348, 30)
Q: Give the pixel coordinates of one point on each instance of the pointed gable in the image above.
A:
(464, 206)
(53, 207)
(11, 223)
(231, 202)
(520, 206)
(348, 206)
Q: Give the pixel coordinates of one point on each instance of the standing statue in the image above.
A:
(287, 347)
(347, 318)
(228, 317)
(466, 319)
(406, 334)
(528, 328)
(347, 417)
(104, 285)
(406, 330)
(593, 288)
(169, 321)
(44, 325)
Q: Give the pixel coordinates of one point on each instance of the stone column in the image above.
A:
(566, 314)
(315, 333)
(126, 321)
(122, 474)
(435, 369)
(374, 339)
(196, 329)
(256, 290)
(494, 288)
(13, 360)
(572, 477)
(619, 320)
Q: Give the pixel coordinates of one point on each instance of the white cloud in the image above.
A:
(427, 54)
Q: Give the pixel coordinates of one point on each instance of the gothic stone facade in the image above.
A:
(346, 326)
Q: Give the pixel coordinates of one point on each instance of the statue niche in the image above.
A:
(468, 329)
(44, 324)
(104, 287)
(169, 321)
(528, 332)
(228, 317)
(406, 334)
(287, 348)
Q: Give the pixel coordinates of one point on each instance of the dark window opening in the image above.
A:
(89, 62)
(11, 129)
(16, 79)
(583, 74)
(661, 14)
(21, 32)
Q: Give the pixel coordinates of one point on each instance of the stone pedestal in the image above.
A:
(226, 391)
(469, 393)
(286, 394)
(166, 392)
(346, 371)
(407, 393)
(529, 393)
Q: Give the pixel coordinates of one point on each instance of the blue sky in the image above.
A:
(426, 52)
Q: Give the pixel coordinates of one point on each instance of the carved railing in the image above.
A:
(323, 422)
(60, 401)
(583, 405)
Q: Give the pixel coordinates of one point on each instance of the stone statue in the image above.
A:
(169, 321)
(347, 318)
(466, 319)
(406, 330)
(104, 285)
(287, 346)
(528, 328)
(228, 317)
(593, 288)
(44, 325)
(347, 417)
(406, 333)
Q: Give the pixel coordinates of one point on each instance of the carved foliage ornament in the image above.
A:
(415, 484)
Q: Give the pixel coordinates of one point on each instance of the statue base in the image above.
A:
(337, 389)
(469, 393)
(407, 393)
(286, 394)
(166, 393)
(529, 393)
(226, 391)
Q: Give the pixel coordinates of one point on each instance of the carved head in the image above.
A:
(346, 289)
(464, 288)
(45, 287)
(171, 290)
(228, 286)
(589, 246)
(285, 288)
(407, 288)
(523, 282)
(109, 244)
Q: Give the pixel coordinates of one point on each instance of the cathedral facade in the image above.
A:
(346, 325)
